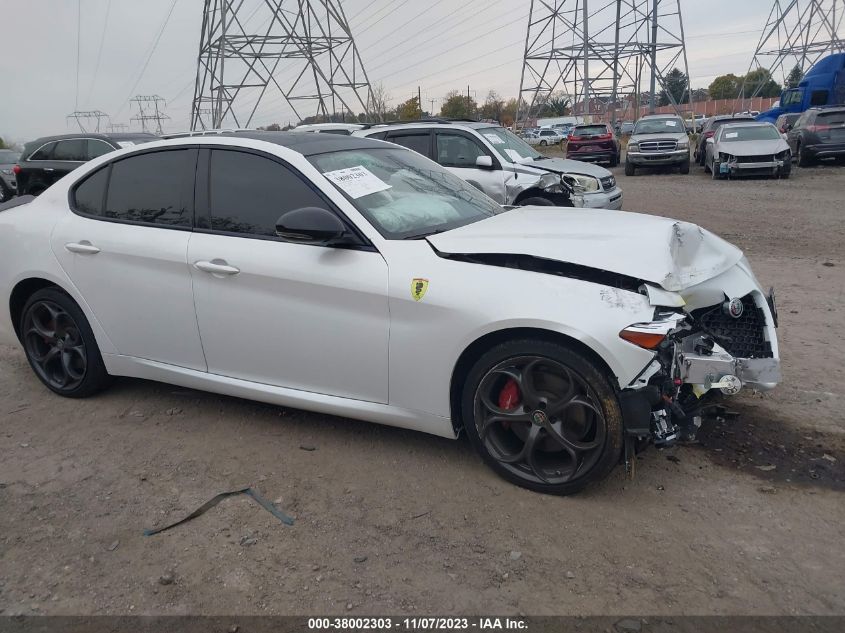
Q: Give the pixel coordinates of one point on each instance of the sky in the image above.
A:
(128, 47)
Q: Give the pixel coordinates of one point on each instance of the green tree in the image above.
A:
(724, 87)
(675, 87)
(700, 94)
(410, 109)
(458, 106)
(558, 104)
(509, 112)
(759, 83)
(794, 77)
(2, 143)
(493, 107)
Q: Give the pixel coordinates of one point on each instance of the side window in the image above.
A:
(802, 120)
(96, 147)
(248, 193)
(380, 136)
(88, 196)
(74, 149)
(455, 150)
(418, 142)
(819, 97)
(149, 188)
(45, 152)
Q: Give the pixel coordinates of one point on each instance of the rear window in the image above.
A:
(590, 130)
(45, 152)
(831, 118)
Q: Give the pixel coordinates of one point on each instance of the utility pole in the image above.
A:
(652, 104)
(239, 65)
(419, 100)
(88, 120)
(150, 109)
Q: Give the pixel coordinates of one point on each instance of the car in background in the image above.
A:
(819, 133)
(47, 159)
(626, 127)
(344, 129)
(747, 149)
(548, 136)
(694, 123)
(352, 277)
(563, 128)
(785, 122)
(713, 124)
(658, 140)
(532, 138)
(8, 182)
(593, 142)
(502, 165)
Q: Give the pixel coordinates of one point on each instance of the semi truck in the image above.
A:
(824, 84)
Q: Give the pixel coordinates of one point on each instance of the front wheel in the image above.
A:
(536, 201)
(60, 345)
(804, 159)
(714, 171)
(542, 416)
(685, 168)
(543, 143)
(629, 169)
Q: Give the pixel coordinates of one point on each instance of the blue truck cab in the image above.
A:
(824, 84)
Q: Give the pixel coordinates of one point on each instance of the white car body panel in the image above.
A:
(357, 343)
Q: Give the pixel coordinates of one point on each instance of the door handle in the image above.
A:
(48, 169)
(83, 248)
(216, 267)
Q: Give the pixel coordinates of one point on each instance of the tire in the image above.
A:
(543, 143)
(593, 431)
(536, 201)
(804, 159)
(5, 194)
(685, 167)
(702, 158)
(714, 171)
(614, 160)
(60, 345)
(630, 170)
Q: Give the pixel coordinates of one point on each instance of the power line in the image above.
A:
(99, 52)
(364, 9)
(382, 18)
(78, 31)
(149, 57)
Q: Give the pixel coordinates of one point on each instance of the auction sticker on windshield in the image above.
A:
(357, 181)
(494, 139)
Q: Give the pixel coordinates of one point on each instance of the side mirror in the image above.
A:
(787, 127)
(709, 140)
(484, 161)
(310, 225)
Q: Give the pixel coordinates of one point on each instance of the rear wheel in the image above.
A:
(542, 416)
(60, 345)
(543, 143)
(5, 193)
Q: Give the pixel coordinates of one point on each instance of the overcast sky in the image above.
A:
(480, 43)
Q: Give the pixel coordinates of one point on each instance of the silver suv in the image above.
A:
(502, 165)
(658, 140)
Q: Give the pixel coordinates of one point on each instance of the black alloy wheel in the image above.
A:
(545, 419)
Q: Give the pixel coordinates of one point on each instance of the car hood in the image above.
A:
(567, 166)
(753, 148)
(671, 254)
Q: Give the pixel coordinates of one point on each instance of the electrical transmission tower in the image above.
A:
(797, 33)
(595, 53)
(88, 120)
(310, 43)
(150, 108)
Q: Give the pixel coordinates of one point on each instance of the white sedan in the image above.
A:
(353, 277)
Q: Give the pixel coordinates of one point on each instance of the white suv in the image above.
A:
(503, 165)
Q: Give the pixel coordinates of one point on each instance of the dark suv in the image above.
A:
(8, 186)
(594, 142)
(709, 129)
(818, 133)
(47, 159)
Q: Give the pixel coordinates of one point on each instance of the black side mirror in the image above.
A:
(310, 225)
(787, 127)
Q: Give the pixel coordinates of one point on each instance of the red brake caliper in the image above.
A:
(509, 398)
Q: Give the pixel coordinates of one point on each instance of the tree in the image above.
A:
(675, 86)
(273, 127)
(2, 143)
(493, 107)
(509, 112)
(458, 106)
(724, 87)
(700, 94)
(795, 76)
(410, 109)
(558, 104)
(759, 83)
(378, 103)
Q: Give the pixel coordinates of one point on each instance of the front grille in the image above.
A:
(743, 337)
(608, 183)
(766, 158)
(658, 146)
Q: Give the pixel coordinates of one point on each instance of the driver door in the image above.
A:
(299, 316)
(457, 152)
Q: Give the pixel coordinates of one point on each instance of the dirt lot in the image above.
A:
(748, 522)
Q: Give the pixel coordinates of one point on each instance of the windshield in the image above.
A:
(756, 133)
(791, 97)
(509, 146)
(7, 157)
(402, 194)
(589, 130)
(659, 126)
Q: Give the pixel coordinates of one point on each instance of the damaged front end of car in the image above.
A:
(701, 351)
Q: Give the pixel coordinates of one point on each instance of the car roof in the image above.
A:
(105, 136)
(435, 121)
(748, 123)
(305, 143)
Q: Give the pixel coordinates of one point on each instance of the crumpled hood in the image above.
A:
(753, 148)
(666, 252)
(569, 166)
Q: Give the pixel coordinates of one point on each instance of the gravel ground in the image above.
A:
(750, 521)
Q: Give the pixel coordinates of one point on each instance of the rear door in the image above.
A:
(125, 249)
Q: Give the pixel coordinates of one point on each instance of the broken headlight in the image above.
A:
(583, 184)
